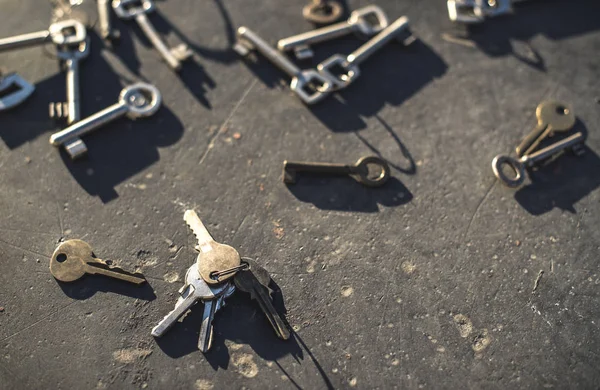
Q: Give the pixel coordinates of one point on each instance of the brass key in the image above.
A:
(552, 117)
(75, 258)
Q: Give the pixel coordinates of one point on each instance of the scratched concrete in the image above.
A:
(442, 279)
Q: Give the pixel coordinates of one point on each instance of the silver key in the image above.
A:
(210, 308)
(136, 101)
(309, 84)
(518, 166)
(14, 90)
(475, 11)
(359, 22)
(137, 9)
(71, 57)
(349, 65)
(107, 32)
(66, 32)
(194, 290)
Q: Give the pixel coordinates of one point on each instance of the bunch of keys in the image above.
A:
(553, 117)
(209, 280)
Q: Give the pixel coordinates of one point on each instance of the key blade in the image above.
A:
(206, 330)
(266, 305)
(97, 267)
(193, 221)
(180, 309)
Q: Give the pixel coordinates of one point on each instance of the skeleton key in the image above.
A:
(71, 57)
(322, 11)
(552, 117)
(359, 22)
(212, 256)
(529, 160)
(137, 101)
(137, 9)
(107, 31)
(255, 281)
(349, 65)
(475, 11)
(14, 90)
(75, 258)
(195, 289)
(66, 32)
(309, 84)
(360, 170)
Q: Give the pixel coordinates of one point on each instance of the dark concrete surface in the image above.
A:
(442, 279)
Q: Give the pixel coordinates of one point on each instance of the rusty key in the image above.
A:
(360, 171)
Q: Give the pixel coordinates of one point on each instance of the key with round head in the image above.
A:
(136, 101)
(255, 281)
(66, 32)
(365, 22)
(342, 70)
(361, 171)
(529, 160)
(552, 117)
(14, 90)
(310, 86)
(212, 256)
(194, 290)
(322, 11)
(73, 259)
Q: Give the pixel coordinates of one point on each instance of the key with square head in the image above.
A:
(107, 31)
(194, 290)
(310, 86)
(552, 117)
(365, 22)
(342, 71)
(529, 160)
(322, 11)
(138, 10)
(66, 32)
(14, 90)
(136, 101)
(73, 259)
(212, 256)
(360, 171)
(255, 280)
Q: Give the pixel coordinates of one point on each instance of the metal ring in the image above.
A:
(310, 12)
(363, 171)
(516, 166)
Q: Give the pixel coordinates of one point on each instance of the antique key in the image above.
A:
(552, 117)
(255, 280)
(14, 90)
(360, 170)
(75, 258)
(322, 11)
(529, 160)
(309, 85)
(348, 66)
(366, 21)
(106, 29)
(137, 101)
(66, 32)
(137, 9)
(213, 256)
(475, 11)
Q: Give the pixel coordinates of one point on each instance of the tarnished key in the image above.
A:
(529, 160)
(309, 84)
(75, 258)
(107, 31)
(14, 90)
(136, 101)
(195, 289)
(137, 9)
(366, 21)
(212, 256)
(348, 67)
(71, 57)
(322, 11)
(552, 117)
(66, 32)
(360, 171)
(255, 281)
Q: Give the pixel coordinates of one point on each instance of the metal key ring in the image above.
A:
(516, 165)
(363, 171)
(135, 96)
(310, 12)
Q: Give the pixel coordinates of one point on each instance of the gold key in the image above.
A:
(213, 257)
(75, 258)
(552, 117)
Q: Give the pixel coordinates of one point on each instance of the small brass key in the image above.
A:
(360, 170)
(75, 258)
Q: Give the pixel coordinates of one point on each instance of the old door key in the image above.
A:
(360, 170)
(75, 258)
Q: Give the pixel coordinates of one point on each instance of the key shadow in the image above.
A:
(89, 285)
(345, 194)
(562, 181)
(510, 34)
